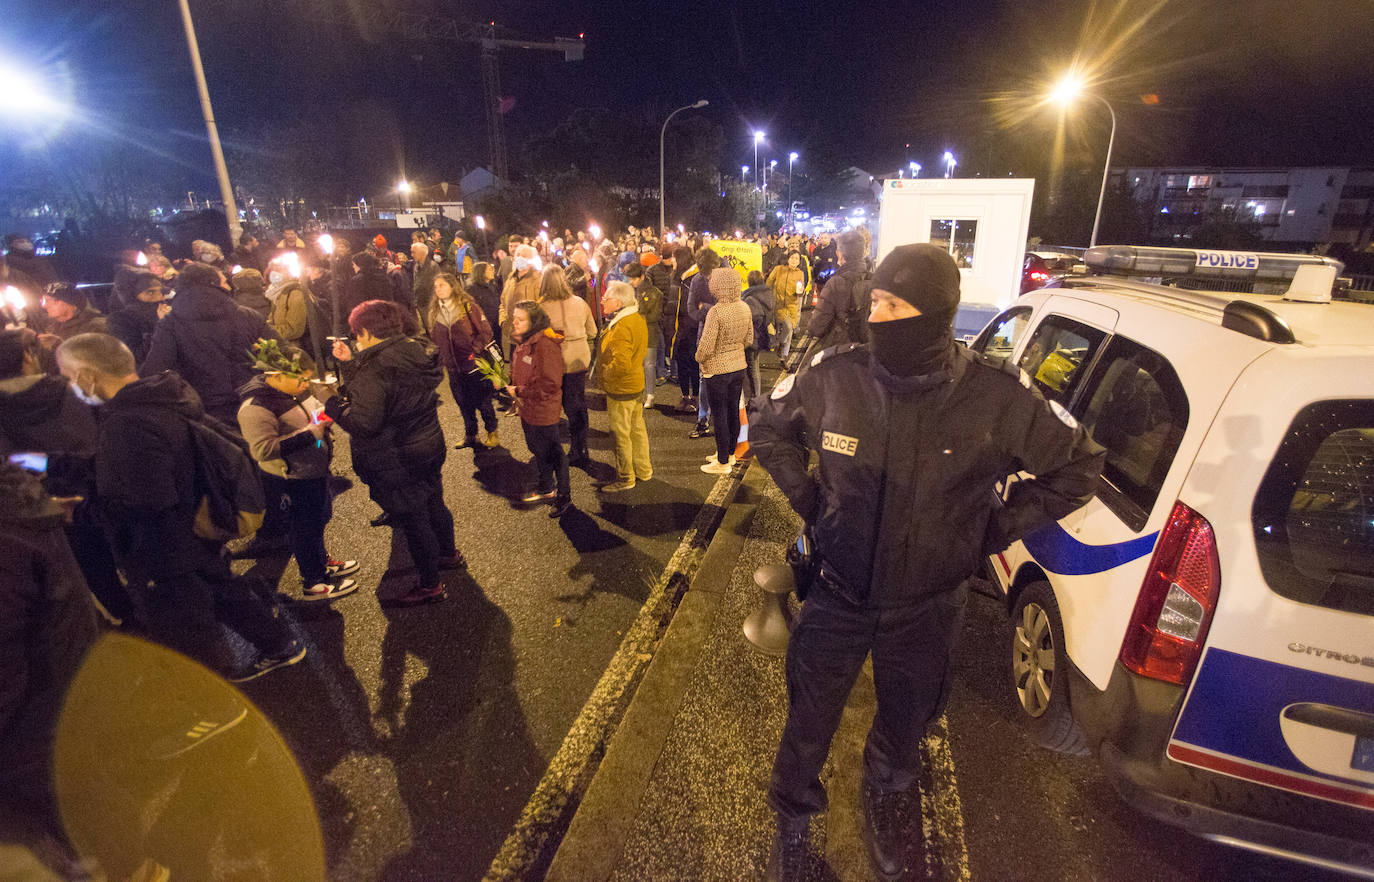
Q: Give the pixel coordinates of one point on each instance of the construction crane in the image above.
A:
(375, 19)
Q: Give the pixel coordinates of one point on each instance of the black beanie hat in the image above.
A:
(66, 293)
(923, 275)
(197, 274)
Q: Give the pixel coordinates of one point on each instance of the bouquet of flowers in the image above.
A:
(496, 372)
(268, 356)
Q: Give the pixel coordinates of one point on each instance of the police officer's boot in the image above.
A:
(885, 830)
(788, 854)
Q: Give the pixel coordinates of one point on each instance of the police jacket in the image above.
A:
(903, 502)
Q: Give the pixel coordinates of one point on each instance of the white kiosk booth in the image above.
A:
(983, 222)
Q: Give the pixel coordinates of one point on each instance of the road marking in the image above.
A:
(537, 834)
(942, 813)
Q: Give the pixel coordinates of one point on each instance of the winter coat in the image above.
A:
(518, 290)
(573, 319)
(620, 366)
(463, 341)
(487, 298)
(277, 429)
(135, 325)
(390, 410)
(762, 303)
(88, 320)
(423, 288)
(290, 313)
(145, 476)
(47, 624)
(370, 283)
(699, 298)
(841, 310)
(206, 338)
(248, 287)
(649, 299)
(673, 318)
(902, 503)
(41, 414)
(537, 375)
(783, 280)
(40, 269)
(727, 332)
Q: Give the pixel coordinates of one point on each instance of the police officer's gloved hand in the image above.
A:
(995, 539)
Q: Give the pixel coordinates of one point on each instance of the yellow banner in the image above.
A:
(742, 257)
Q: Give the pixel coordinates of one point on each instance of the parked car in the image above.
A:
(1205, 625)
(1041, 267)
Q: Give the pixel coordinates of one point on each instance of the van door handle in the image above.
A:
(1336, 719)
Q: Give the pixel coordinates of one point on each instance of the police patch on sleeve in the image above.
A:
(1064, 416)
(783, 387)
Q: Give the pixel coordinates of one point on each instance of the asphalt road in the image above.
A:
(424, 731)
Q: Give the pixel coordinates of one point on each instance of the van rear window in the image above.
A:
(1314, 513)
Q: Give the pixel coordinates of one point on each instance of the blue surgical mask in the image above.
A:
(90, 398)
(521, 264)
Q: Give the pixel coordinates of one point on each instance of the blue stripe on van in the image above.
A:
(1057, 551)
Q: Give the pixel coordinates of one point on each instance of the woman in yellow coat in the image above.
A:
(788, 281)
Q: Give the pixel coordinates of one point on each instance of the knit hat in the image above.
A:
(144, 281)
(923, 275)
(724, 284)
(380, 241)
(197, 274)
(248, 280)
(648, 258)
(66, 293)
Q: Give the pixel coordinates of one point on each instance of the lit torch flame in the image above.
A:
(14, 299)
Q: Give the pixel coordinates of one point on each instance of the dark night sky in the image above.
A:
(1263, 82)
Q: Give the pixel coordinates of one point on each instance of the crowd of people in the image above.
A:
(123, 418)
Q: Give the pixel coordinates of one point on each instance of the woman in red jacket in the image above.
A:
(461, 332)
(537, 385)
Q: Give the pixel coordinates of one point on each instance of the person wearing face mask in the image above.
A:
(289, 314)
(913, 433)
(206, 338)
(209, 253)
(521, 285)
(135, 322)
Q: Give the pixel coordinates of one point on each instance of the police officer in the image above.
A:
(912, 433)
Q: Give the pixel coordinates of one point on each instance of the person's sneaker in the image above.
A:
(686, 405)
(579, 457)
(885, 829)
(335, 568)
(535, 496)
(329, 591)
(716, 468)
(712, 458)
(660, 381)
(648, 401)
(265, 664)
(492, 439)
(417, 596)
(560, 508)
(454, 561)
(469, 441)
(381, 520)
(617, 486)
(702, 430)
(787, 856)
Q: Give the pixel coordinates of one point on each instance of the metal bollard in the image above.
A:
(770, 626)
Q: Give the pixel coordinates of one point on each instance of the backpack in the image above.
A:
(856, 317)
(232, 504)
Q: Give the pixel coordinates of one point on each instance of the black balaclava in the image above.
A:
(927, 277)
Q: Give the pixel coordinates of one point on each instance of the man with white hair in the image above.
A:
(521, 285)
(620, 372)
(425, 271)
(145, 477)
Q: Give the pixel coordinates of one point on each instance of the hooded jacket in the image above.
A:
(390, 410)
(620, 368)
(537, 374)
(289, 314)
(206, 338)
(841, 310)
(134, 324)
(145, 472)
(462, 341)
(762, 304)
(277, 429)
(43, 415)
(47, 624)
(88, 320)
(727, 332)
(573, 319)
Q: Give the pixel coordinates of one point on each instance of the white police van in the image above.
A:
(1206, 624)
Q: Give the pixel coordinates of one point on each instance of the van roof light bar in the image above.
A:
(1142, 260)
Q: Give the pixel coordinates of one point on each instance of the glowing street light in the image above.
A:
(23, 96)
(950, 163)
(1065, 92)
(404, 189)
(743, 173)
(915, 168)
(662, 183)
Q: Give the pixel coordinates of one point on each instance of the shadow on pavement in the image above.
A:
(653, 508)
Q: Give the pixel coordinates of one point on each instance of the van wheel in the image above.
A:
(1039, 671)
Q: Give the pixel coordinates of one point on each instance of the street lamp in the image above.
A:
(226, 191)
(915, 168)
(404, 189)
(662, 183)
(791, 158)
(950, 163)
(758, 136)
(743, 173)
(1064, 94)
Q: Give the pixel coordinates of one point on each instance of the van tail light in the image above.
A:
(1176, 602)
(1038, 276)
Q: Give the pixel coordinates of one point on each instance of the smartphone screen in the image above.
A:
(31, 462)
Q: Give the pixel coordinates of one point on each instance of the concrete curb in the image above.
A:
(596, 837)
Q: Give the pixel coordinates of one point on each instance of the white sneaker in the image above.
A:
(648, 401)
(712, 458)
(327, 591)
(716, 468)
